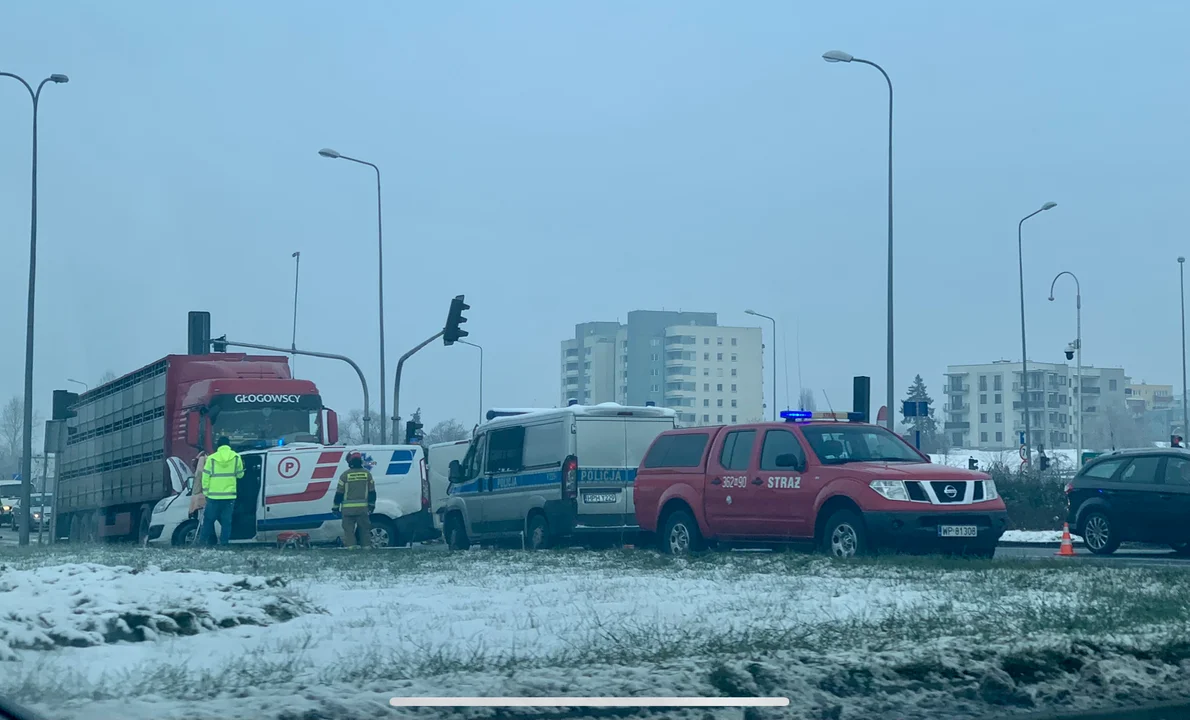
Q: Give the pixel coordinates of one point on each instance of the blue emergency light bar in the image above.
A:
(796, 416)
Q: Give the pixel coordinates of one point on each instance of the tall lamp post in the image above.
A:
(1024, 351)
(1078, 348)
(480, 349)
(835, 56)
(86, 387)
(27, 430)
(1185, 407)
(774, 341)
(328, 153)
(297, 267)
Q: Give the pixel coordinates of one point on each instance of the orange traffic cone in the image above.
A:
(1067, 549)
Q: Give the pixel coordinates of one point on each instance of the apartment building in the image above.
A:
(682, 360)
(985, 403)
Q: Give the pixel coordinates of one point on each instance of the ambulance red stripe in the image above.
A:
(313, 491)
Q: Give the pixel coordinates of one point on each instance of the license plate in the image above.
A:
(960, 531)
(601, 497)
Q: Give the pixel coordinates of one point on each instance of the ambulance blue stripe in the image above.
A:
(401, 468)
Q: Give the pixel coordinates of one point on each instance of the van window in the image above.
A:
(544, 446)
(679, 451)
(779, 442)
(473, 462)
(599, 442)
(737, 450)
(505, 449)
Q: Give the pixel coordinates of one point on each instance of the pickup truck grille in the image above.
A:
(946, 492)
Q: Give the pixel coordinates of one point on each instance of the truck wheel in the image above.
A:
(537, 533)
(384, 532)
(681, 535)
(845, 535)
(456, 534)
(186, 534)
(142, 527)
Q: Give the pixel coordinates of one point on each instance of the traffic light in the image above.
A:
(452, 332)
(1045, 463)
(198, 336)
(413, 432)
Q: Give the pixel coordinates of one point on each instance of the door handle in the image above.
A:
(757, 481)
(716, 481)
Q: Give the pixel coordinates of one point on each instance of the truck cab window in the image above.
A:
(737, 450)
(777, 443)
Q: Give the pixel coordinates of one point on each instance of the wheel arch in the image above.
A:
(832, 505)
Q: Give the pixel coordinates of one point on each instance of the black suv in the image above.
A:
(1132, 496)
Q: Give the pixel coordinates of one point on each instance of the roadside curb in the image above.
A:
(1055, 546)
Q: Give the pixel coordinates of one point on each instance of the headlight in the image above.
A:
(989, 490)
(891, 489)
(161, 506)
(7, 508)
(36, 516)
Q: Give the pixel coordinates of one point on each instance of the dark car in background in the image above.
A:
(1132, 496)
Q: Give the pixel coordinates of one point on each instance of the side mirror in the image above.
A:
(788, 460)
(190, 485)
(193, 425)
(330, 427)
(455, 472)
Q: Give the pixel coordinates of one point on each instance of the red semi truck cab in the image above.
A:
(122, 433)
(849, 487)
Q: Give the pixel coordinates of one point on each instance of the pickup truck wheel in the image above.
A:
(681, 535)
(845, 535)
(456, 534)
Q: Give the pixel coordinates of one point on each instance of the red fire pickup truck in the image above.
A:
(849, 487)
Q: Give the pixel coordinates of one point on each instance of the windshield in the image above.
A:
(37, 500)
(266, 426)
(859, 443)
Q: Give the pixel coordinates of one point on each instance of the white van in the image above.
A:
(544, 475)
(438, 459)
(293, 488)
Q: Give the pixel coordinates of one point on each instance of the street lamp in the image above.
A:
(1024, 352)
(835, 56)
(86, 387)
(27, 431)
(1185, 407)
(480, 349)
(297, 267)
(1078, 348)
(774, 340)
(332, 154)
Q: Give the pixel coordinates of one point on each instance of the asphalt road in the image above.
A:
(1130, 556)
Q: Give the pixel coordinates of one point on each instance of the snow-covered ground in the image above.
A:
(141, 634)
(1062, 459)
(1037, 536)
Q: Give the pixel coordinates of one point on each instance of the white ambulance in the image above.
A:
(293, 488)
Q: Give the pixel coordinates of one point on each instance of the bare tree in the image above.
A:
(351, 428)
(12, 427)
(107, 377)
(446, 431)
(805, 400)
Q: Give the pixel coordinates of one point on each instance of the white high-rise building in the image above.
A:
(709, 374)
(985, 403)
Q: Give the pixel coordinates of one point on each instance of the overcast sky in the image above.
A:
(567, 162)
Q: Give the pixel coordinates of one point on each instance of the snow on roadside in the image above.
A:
(1037, 536)
(85, 605)
(921, 637)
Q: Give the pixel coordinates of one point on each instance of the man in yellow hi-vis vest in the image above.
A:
(223, 468)
(356, 495)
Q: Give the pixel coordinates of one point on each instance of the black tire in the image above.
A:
(1181, 548)
(844, 535)
(681, 535)
(537, 532)
(384, 532)
(142, 527)
(185, 534)
(455, 534)
(1099, 533)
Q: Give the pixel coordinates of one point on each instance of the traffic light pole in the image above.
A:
(396, 427)
(329, 356)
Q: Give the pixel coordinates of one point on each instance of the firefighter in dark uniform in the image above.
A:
(356, 498)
